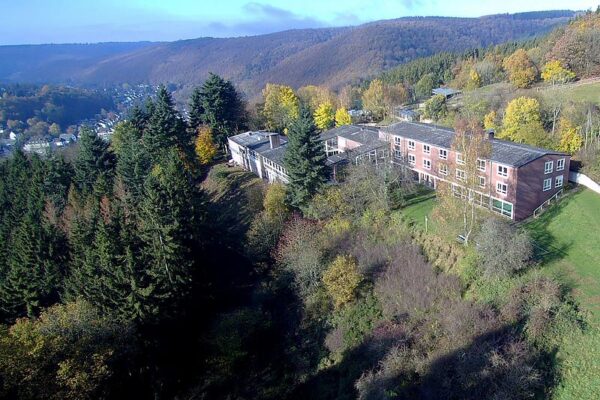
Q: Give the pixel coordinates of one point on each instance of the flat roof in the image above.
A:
(503, 151)
(445, 91)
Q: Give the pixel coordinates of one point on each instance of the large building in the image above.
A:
(514, 181)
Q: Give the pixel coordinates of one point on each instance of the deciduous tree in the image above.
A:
(324, 116)
(342, 117)
(281, 107)
(342, 279)
(521, 70)
(554, 72)
(206, 149)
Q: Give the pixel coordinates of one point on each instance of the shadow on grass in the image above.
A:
(545, 245)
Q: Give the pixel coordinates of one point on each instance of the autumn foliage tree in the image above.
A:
(520, 112)
(281, 107)
(554, 72)
(342, 117)
(374, 100)
(342, 279)
(205, 147)
(521, 70)
(324, 116)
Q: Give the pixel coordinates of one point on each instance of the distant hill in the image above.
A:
(328, 56)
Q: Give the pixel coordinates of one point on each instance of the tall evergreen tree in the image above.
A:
(133, 161)
(166, 221)
(304, 160)
(218, 105)
(95, 161)
(196, 110)
(165, 128)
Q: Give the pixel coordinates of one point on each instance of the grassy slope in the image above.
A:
(572, 228)
(570, 233)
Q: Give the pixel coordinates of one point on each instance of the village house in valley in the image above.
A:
(514, 181)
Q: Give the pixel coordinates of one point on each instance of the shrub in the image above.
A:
(503, 250)
(342, 279)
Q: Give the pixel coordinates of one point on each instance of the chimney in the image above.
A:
(490, 134)
(274, 140)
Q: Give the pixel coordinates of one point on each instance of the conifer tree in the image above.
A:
(167, 215)
(133, 162)
(196, 111)
(165, 128)
(94, 161)
(218, 105)
(304, 160)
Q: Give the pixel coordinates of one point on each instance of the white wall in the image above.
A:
(584, 180)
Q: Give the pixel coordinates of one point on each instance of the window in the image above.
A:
(443, 154)
(501, 188)
(443, 168)
(548, 167)
(427, 164)
(461, 175)
(482, 181)
(397, 153)
(558, 182)
(481, 165)
(426, 149)
(411, 159)
(459, 158)
(560, 164)
(502, 171)
(397, 140)
(411, 144)
(502, 207)
(547, 184)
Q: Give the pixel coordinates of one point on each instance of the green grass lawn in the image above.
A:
(419, 206)
(571, 231)
(589, 92)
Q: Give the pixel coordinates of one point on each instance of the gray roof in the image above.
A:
(256, 140)
(503, 151)
(275, 155)
(445, 91)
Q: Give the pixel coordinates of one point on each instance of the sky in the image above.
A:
(91, 21)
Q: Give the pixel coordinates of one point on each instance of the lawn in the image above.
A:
(584, 92)
(570, 233)
(419, 206)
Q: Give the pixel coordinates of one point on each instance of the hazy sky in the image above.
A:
(82, 21)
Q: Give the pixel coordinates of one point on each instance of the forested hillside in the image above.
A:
(330, 57)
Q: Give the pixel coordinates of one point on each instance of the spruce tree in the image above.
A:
(133, 162)
(220, 106)
(95, 161)
(196, 111)
(165, 129)
(304, 160)
(166, 221)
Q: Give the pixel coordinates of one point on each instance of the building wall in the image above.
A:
(524, 184)
(530, 193)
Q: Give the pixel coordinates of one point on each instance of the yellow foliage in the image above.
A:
(554, 72)
(374, 99)
(205, 148)
(489, 121)
(342, 279)
(274, 201)
(342, 117)
(521, 70)
(570, 137)
(519, 112)
(281, 107)
(475, 79)
(324, 116)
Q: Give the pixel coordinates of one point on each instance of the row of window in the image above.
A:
(558, 182)
(549, 166)
(500, 206)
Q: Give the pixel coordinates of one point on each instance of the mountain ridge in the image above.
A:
(325, 56)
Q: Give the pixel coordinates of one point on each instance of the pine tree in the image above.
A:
(95, 161)
(218, 105)
(133, 162)
(165, 128)
(196, 110)
(167, 215)
(304, 160)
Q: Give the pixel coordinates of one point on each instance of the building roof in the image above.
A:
(503, 151)
(256, 140)
(447, 92)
